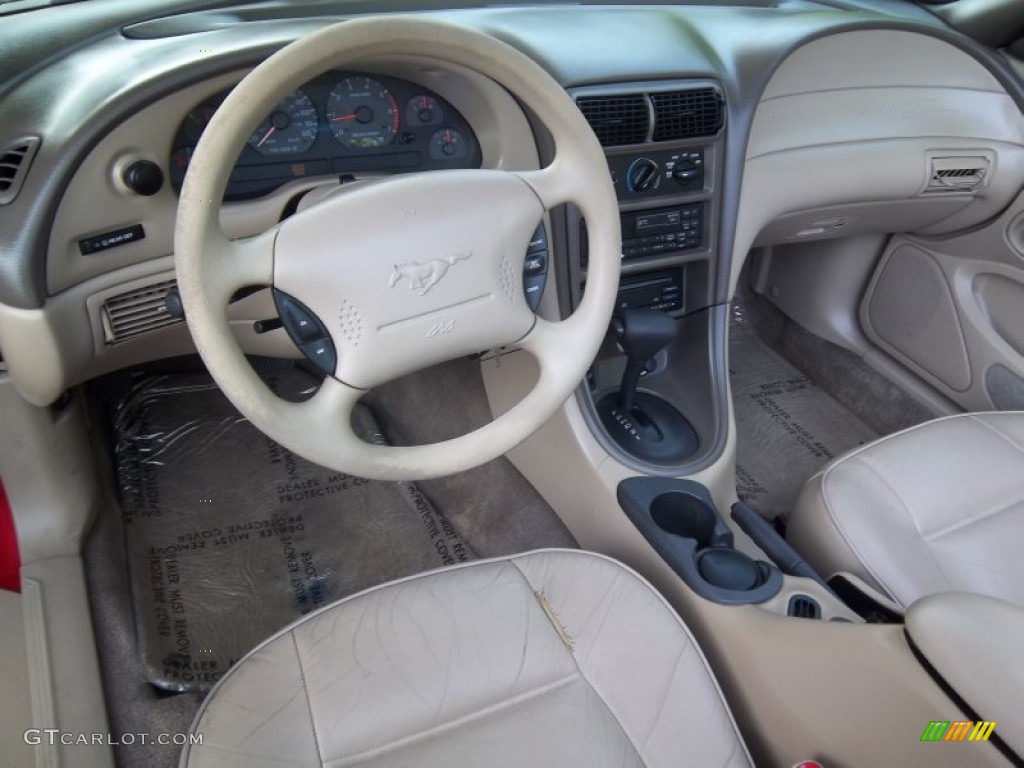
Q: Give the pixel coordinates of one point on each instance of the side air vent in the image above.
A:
(686, 114)
(15, 159)
(804, 607)
(131, 314)
(957, 174)
(617, 120)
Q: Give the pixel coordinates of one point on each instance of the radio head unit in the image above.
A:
(656, 232)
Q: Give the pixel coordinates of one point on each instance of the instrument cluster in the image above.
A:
(338, 124)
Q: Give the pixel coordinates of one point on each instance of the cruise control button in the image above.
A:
(533, 287)
(536, 263)
(321, 353)
(539, 241)
(300, 323)
(305, 328)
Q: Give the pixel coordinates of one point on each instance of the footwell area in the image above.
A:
(229, 536)
(356, 536)
(787, 426)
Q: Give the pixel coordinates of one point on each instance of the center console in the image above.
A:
(664, 147)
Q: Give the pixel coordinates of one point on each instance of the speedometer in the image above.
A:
(292, 127)
(362, 113)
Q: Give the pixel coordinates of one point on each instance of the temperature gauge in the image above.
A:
(423, 110)
(448, 144)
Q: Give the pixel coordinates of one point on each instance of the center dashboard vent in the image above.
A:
(658, 115)
(617, 119)
(131, 314)
(686, 114)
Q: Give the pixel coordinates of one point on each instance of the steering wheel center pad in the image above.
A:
(414, 270)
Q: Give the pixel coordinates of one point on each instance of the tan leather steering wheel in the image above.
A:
(353, 257)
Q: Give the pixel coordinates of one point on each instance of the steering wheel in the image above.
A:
(359, 259)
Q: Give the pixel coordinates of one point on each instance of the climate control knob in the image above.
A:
(642, 175)
(688, 173)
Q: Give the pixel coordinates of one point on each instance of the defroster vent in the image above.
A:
(131, 314)
(15, 159)
(617, 120)
(686, 114)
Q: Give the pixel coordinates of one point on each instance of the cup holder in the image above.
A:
(730, 569)
(683, 514)
(679, 519)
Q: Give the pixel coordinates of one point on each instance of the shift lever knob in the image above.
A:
(641, 333)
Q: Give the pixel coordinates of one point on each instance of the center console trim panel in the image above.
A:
(689, 297)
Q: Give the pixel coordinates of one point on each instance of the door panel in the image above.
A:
(952, 310)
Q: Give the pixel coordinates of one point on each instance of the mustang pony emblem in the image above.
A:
(423, 277)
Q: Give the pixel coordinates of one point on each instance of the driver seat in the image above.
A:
(552, 658)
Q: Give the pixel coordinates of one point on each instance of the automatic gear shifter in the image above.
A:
(642, 423)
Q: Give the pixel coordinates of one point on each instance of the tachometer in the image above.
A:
(362, 113)
(292, 127)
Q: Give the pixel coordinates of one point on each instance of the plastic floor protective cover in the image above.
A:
(230, 537)
(787, 426)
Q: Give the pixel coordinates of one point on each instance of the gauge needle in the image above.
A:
(344, 117)
(266, 136)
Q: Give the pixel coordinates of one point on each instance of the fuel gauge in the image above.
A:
(423, 110)
(448, 144)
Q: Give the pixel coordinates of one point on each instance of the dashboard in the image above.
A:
(715, 143)
(340, 123)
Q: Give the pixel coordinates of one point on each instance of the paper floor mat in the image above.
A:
(230, 537)
(787, 426)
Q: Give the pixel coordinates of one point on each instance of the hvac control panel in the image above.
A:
(657, 173)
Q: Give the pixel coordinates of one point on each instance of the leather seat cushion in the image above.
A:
(552, 658)
(936, 508)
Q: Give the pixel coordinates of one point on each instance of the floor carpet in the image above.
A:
(230, 536)
(787, 426)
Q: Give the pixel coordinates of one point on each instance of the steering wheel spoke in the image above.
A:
(555, 184)
(246, 262)
(332, 404)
